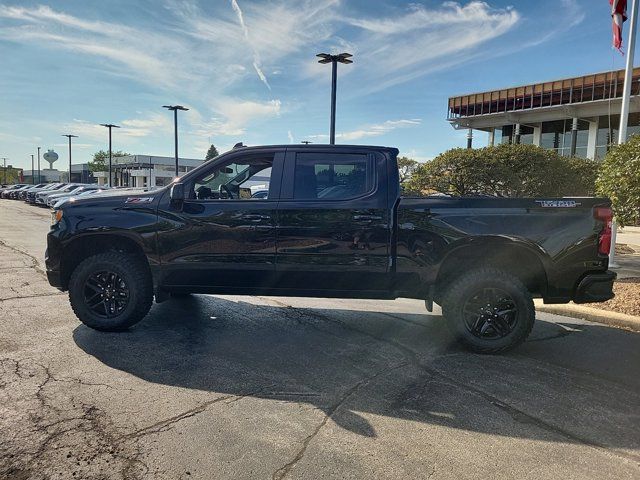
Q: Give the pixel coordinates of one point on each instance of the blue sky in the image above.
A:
(246, 69)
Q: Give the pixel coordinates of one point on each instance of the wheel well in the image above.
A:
(84, 247)
(513, 259)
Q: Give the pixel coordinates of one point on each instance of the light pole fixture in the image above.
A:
(4, 160)
(334, 60)
(33, 177)
(109, 126)
(70, 137)
(175, 109)
(38, 165)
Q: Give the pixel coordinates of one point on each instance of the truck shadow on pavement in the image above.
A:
(568, 383)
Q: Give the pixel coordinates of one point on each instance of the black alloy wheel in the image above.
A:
(490, 313)
(106, 294)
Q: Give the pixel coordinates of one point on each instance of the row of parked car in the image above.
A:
(51, 195)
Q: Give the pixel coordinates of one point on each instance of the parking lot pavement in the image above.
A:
(251, 387)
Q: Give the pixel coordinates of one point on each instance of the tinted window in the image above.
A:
(330, 176)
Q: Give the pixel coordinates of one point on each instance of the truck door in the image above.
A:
(224, 236)
(333, 221)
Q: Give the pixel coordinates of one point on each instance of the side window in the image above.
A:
(241, 179)
(331, 176)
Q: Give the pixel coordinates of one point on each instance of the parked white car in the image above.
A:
(52, 199)
(62, 199)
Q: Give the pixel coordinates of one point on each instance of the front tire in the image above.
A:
(489, 310)
(111, 291)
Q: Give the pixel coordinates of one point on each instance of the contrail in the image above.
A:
(256, 56)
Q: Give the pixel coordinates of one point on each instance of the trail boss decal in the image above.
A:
(558, 203)
(139, 200)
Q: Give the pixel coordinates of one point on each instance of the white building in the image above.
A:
(575, 116)
(145, 170)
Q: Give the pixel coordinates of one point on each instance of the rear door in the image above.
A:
(333, 221)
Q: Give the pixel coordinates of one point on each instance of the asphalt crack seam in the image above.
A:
(167, 424)
(90, 423)
(35, 262)
(38, 295)
(283, 471)
(516, 414)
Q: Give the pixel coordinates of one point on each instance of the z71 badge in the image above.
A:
(558, 203)
(139, 200)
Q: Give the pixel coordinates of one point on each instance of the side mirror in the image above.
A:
(177, 195)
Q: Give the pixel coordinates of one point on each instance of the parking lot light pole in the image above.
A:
(4, 160)
(175, 109)
(109, 126)
(334, 60)
(38, 165)
(70, 137)
(33, 177)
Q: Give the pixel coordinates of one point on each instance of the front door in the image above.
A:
(333, 222)
(224, 236)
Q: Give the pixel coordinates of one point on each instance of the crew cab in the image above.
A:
(333, 223)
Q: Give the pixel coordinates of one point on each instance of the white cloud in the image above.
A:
(373, 130)
(150, 124)
(290, 136)
(235, 115)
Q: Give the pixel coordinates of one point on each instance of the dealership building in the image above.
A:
(145, 170)
(574, 116)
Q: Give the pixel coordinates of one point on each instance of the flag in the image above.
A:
(618, 16)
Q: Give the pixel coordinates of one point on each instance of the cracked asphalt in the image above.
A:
(274, 388)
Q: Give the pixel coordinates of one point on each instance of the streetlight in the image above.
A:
(70, 137)
(33, 177)
(38, 165)
(175, 109)
(4, 159)
(333, 60)
(109, 126)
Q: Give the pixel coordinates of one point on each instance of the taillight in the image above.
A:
(605, 215)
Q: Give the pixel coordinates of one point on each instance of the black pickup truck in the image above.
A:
(329, 221)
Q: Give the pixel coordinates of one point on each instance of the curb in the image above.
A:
(615, 319)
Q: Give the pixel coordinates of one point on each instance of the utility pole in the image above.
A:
(4, 160)
(624, 111)
(33, 177)
(109, 126)
(70, 137)
(175, 109)
(334, 60)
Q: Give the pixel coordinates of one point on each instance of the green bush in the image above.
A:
(619, 180)
(505, 171)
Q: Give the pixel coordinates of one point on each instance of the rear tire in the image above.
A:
(489, 310)
(111, 291)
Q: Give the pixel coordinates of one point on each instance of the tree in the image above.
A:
(12, 175)
(619, 180)
(100, 161)
(211, 153)
(505, 171)
(406, 167)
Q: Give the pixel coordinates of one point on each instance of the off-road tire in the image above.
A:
(463, 288)
(138, 281)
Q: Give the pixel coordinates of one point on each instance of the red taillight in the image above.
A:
(605, 215)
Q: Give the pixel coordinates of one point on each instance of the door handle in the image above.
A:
(255, 217)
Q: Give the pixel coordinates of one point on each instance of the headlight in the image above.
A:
(56, 216)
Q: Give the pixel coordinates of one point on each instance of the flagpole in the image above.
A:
(624, 111)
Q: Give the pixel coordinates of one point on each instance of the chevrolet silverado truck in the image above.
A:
(329, 221)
